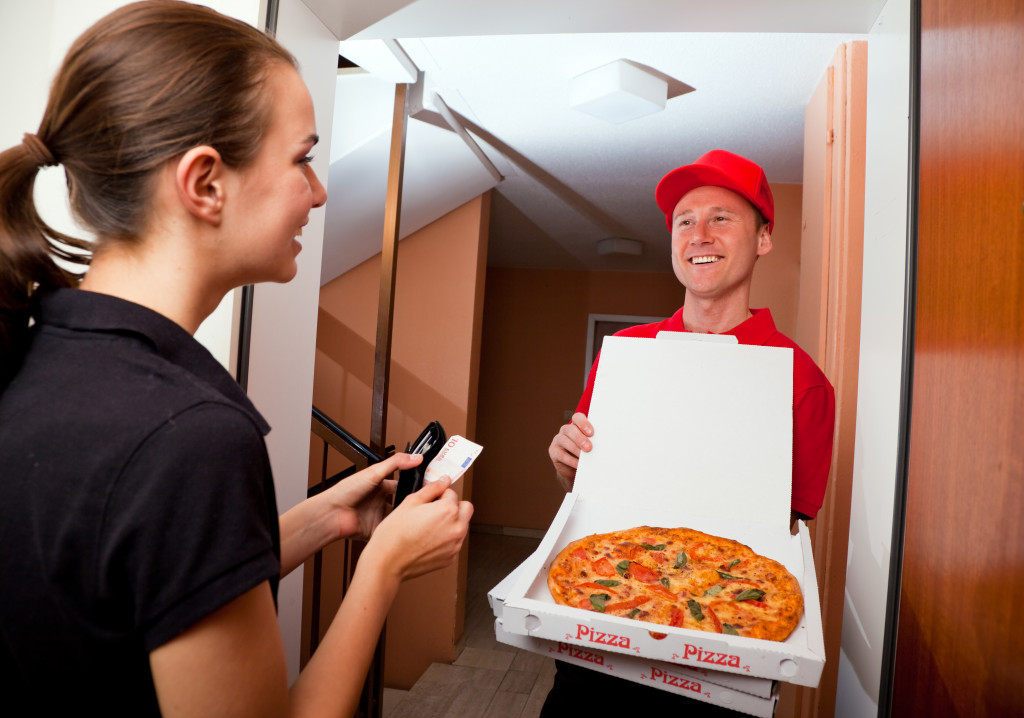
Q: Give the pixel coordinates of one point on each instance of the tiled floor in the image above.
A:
(488, 679)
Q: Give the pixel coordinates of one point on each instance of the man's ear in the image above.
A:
(764, 241)
(199, 180)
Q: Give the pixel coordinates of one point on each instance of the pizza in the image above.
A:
(678, 577)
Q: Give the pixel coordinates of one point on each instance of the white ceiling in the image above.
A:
(569, 179)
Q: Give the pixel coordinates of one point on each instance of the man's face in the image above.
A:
(716, 239)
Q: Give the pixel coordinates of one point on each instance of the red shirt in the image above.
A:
(814, 403)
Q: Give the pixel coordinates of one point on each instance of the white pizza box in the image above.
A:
(763, 688)
(669, 677)
(687, 433)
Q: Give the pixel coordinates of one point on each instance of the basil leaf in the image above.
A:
(714, 590)
(680, 559)
(608, 582)
(726, 628)
(698, 615)
(597, 601)
(754, 594)
(664, 582)
(659, 547)
(622, 567)
(727, 576)
(634, 612)
(732, 563)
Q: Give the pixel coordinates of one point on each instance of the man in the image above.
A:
(721, 214)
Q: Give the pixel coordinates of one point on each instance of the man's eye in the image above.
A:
(306, 160)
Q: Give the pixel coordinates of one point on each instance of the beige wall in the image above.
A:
(435, 355)
(533, 359)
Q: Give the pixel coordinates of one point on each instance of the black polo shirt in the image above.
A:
(136, 498)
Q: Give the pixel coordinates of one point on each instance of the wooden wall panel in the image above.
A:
(830, 292)
(963, 568)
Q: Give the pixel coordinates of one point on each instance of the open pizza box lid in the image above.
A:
(695, 431)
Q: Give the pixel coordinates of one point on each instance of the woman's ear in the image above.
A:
(199, 180)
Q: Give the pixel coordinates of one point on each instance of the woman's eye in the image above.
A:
(306, 160)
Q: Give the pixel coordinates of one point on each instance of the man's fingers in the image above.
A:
(581, 422)
(573, 439)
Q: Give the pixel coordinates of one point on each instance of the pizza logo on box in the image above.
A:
(696, 653)
(675, 681)
(587, 633)
(583, 655)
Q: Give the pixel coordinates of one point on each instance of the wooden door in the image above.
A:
(828, 325)
(957, 648)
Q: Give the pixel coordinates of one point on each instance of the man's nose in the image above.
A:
(699, 235)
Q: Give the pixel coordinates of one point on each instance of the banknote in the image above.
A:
(455, 457)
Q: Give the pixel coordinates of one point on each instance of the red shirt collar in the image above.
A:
(756, 330)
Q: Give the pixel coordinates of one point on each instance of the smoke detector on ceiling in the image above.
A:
(618, 92)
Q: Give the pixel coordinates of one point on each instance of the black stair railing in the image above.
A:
(361, 456)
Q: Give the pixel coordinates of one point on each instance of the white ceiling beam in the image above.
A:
(381, 58)
(453, 122)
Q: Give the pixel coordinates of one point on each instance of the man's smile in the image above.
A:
(706, 259)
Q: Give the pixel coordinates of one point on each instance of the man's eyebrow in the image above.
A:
(713, 209)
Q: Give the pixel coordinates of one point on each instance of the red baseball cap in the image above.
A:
(717, 168)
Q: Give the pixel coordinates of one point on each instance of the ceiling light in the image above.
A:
(618, 92)
(619, 245)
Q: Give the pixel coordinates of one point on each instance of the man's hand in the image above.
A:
(566, 446)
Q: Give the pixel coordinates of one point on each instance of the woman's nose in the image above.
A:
(319, 192)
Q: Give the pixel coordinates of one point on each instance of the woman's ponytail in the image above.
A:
(28, 248)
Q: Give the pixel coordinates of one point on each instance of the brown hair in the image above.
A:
(139, 88)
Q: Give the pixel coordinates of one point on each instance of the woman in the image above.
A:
(141, 545)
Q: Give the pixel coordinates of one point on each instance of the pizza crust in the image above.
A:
(678, 577)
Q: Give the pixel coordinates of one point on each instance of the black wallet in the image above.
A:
(428, 443)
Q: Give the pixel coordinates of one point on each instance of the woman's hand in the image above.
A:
(423, 534)
(360, 501)
(351, 508)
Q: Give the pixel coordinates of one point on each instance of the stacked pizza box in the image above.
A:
(690, 431)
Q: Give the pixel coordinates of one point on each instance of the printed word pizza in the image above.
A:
(678, 577)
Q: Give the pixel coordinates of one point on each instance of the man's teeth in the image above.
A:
(704, 260)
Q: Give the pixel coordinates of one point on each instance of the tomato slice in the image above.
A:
(676, 617)
(581, 554)
(603, 567)
(626, 605)
(701, 551)
(662, 591)
(710, 613)
(643, 574)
